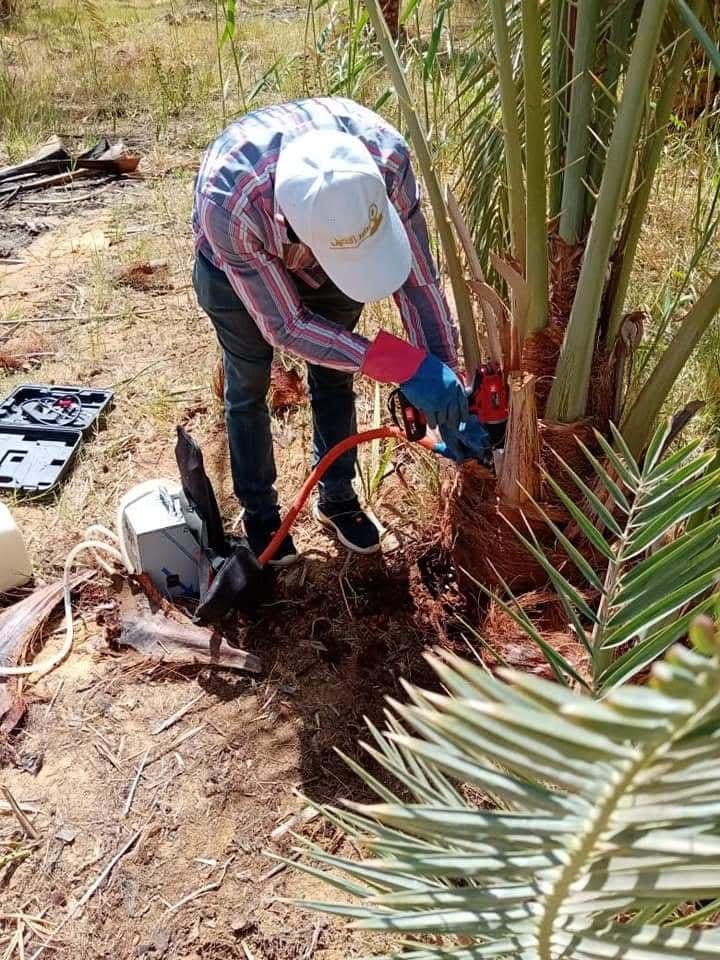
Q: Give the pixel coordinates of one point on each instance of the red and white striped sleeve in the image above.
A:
(266, 288)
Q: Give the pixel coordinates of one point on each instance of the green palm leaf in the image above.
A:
(635, 801)
(659, 566)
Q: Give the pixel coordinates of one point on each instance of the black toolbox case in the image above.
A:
(35, 457)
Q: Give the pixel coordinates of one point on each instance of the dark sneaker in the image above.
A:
(260, 529)
(353, 528)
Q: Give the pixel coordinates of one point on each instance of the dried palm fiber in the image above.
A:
(391, 13)
(565, 263)
(287, 390)
(539, 357)
(476, 533)
(474, 528)
(512, 646)
(540, 354)
(21, 625)
(609, 374)
(481, 541)
(541, 350)
(519, 477)
(431, 600)
(562, 439)
(144, 275)
(601, 396)
(23, 350)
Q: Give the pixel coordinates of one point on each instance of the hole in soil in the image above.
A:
(437, 573)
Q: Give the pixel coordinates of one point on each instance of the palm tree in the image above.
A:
(391, 15)
(583, 96)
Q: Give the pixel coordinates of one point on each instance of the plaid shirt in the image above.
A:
(238, 227)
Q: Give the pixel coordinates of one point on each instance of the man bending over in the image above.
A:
(303, 213)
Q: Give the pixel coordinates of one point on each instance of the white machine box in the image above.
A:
(157, 540)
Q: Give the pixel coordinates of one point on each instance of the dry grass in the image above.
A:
(671, 231)
(148, 71)
(342, 633)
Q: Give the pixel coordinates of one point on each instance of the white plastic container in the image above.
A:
(15, 566)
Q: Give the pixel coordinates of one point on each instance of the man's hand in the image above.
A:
(469, 441)
(437, 391)
(426, 382)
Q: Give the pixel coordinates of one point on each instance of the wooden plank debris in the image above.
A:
(165, 634)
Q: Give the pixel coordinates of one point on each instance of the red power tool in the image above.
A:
(406, 417)
(487, 400)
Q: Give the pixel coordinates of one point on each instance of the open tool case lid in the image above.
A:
(34, 460)
(41, 430)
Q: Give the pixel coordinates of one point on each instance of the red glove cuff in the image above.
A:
(391, 360)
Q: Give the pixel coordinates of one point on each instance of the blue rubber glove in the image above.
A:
(438, 392)
(470, 441)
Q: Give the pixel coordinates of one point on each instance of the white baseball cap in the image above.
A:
(330, 190)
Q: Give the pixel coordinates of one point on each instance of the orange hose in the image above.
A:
(379, 433)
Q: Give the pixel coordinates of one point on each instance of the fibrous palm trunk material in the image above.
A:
(478, 534)
(391, 13)
(20, 627)
(506, 643)
(519, 479)
(541, 349)
(480, 515)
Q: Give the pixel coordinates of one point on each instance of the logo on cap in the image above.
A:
(375, 218)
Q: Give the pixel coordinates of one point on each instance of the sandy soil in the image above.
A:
(218, 782)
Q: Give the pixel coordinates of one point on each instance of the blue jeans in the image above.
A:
(247, 358)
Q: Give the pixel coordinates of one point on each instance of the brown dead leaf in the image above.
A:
(287, 390)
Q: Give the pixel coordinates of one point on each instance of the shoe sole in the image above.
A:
(329, 524)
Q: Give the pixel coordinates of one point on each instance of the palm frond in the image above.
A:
(485, 186)
(659, 567)
(610, 815)
(699, 31)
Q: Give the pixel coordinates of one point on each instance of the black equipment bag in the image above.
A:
(230, 576)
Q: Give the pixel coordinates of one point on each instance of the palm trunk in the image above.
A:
(391, 15)
(519, 480)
